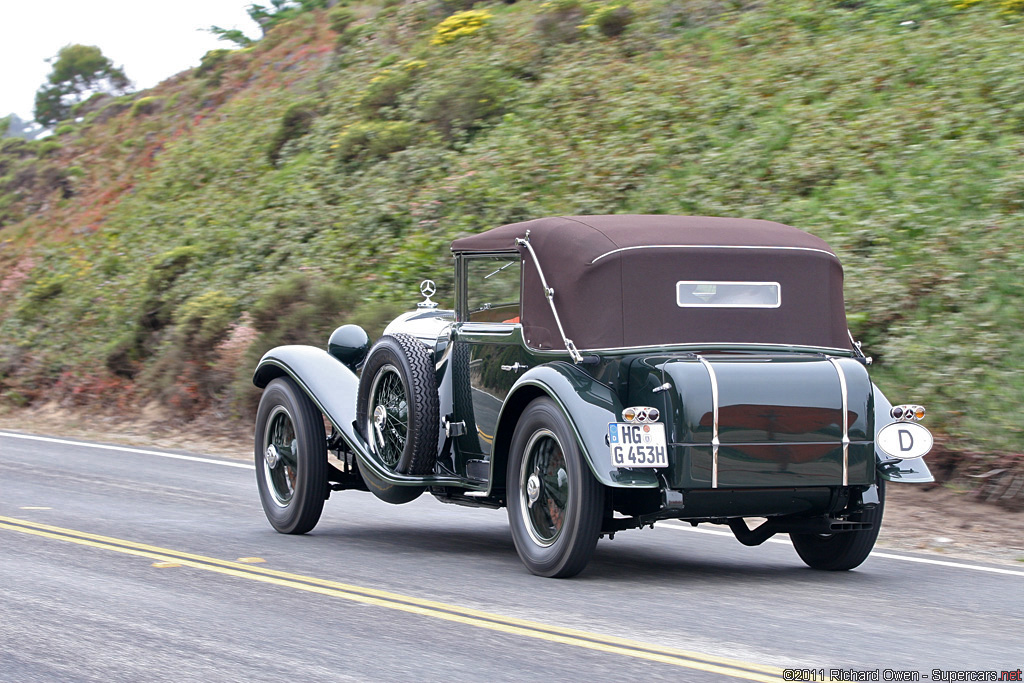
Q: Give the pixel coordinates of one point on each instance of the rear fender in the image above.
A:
(333, 387)
(912, 470)
(587, 404)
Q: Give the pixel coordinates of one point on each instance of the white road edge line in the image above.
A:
(887, 556)
(126, 449)
(664, 525)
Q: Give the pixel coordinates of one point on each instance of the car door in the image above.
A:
(488, 355)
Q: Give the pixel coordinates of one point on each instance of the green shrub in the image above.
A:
(211, 66)
(18, 148)
(157, 304)
(64, 129)
(611, 20)
(211, 61)
(384, 89)
(295, 123)
(111, 109)
(184, 374)
(340, 18)
(47, 147)
(123, 354)
(203, 321)
(448, 7)
(374, 139)
(156, 310)
(464, 97)
(43, 289)
(559, 21)
(15, 398)
(147, 105)
(350, 36)
(301, 309)
(92, 104)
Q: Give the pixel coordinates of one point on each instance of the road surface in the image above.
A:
(128, 564)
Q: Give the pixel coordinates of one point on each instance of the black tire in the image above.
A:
(291, 457)
(397, 408)
(555, 519)
(846, 550)
(388, 492)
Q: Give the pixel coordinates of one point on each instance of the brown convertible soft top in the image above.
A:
(615, 280)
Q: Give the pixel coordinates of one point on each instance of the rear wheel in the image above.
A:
(291, 457)
(843, 551)
(554, 502)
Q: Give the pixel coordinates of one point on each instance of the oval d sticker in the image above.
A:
(904, 440)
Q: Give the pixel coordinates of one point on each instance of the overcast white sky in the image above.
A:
(151, 40)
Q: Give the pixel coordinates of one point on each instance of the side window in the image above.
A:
(492, 289)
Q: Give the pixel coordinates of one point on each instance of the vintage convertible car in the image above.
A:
(602, 373)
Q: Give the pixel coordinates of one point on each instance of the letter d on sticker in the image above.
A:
(904, 440)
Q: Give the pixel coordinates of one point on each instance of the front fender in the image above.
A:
(333, 387)
(913, 470)
(588, 405)
(324, 378)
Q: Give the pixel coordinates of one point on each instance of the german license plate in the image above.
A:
(637, 445)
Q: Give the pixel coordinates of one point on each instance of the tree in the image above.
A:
(79, 71)
(282, 10)
(233, 35)
(269, 16)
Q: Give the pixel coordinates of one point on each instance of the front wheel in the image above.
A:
(554, 502)
(291, 457)
(843, 551)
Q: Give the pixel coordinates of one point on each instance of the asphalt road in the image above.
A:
(124, 565)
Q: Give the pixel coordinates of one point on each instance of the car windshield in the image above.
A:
(492, 288)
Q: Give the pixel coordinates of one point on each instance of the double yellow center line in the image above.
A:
(405, 603)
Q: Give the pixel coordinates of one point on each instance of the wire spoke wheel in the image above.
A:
(398, 412)
(389, 414)
(544, 488)
(555, 505)
(279, 462)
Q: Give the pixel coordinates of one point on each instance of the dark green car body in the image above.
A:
(767, 405)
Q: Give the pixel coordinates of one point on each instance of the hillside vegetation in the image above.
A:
(157, 244)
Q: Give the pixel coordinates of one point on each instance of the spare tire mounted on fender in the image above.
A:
(397, 408)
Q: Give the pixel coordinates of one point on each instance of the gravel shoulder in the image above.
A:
(939, 520)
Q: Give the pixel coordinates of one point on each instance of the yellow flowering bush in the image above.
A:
(1005, 6)
(460, 24)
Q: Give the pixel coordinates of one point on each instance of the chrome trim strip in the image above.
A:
(714, 423)
(716, 346)
(846, 420)
(711, 246)
(549, 294)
